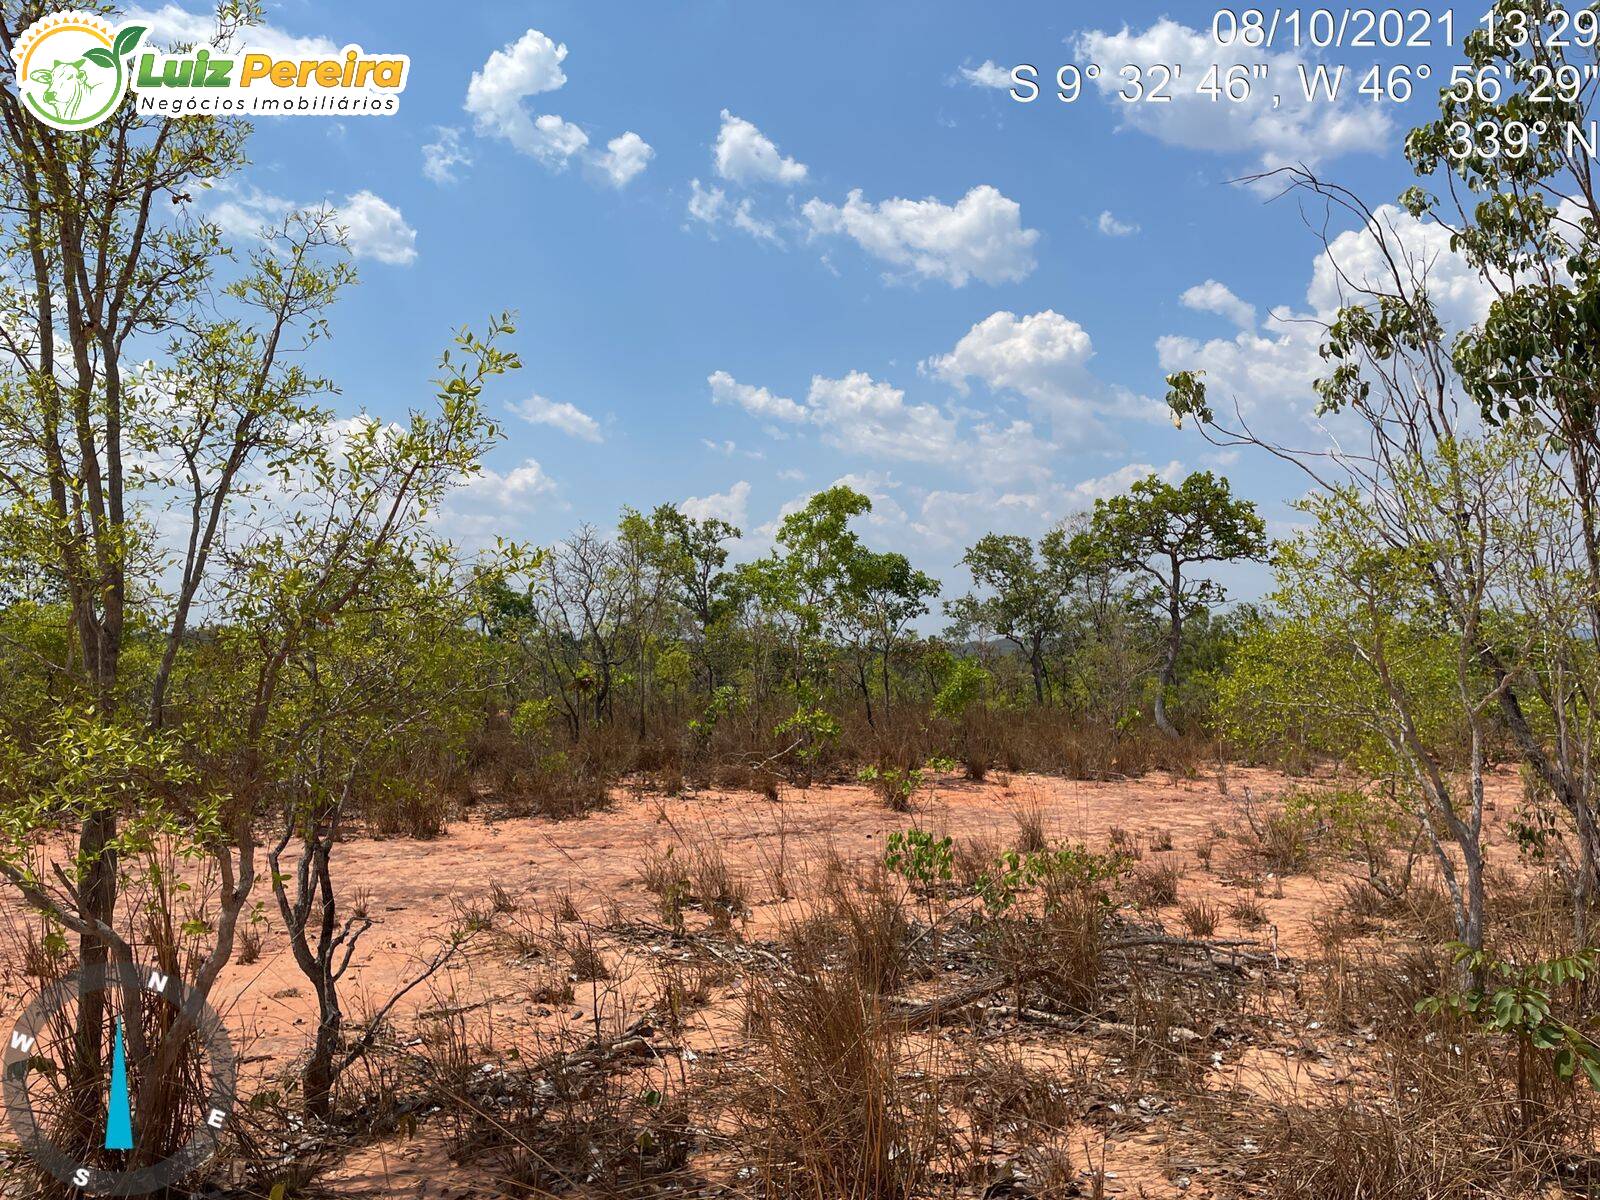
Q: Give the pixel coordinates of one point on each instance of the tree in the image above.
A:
(1399, 583)
(160, 451)
(1529, 223)
(1162, 531)
(1023, 597)
(364, 698)
(884, 594)
(691, 554)
(96, 264)
(825, 589)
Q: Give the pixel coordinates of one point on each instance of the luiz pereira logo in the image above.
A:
(73, 70)
(110, 1159)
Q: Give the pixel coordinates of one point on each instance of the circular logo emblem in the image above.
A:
(39, 1049)
(72, 70)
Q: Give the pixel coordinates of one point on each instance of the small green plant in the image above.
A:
(722, 702)
(962, 687)
(920, 857)
(1064, 867)
(813, 729)
(895, 786)
(1516, 1001)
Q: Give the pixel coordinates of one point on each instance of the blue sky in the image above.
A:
(757, 248)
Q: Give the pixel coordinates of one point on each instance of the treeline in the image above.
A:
(543, 677)
(654, 646)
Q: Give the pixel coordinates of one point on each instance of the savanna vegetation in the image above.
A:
(235, 637)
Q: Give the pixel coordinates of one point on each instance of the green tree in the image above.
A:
(1022, 596)
(691, 554)
(1162, 531)
(1529, 222)
(145, 372)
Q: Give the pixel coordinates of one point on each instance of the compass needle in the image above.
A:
(119, 1119)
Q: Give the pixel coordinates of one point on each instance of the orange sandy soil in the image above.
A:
(416, 891)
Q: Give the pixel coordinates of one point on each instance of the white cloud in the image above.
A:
(745, 155)
(558, 414)
(867, 416)
(1103, 487)
(1356, 260)
(244, 210)
(981, 236)
(987, 74)
(171, 24)
(626, 157)
(478, 510)
(1043, 357)
(757, 401)
(1111, 226)
(531, 66)
(527, 67)
(375, 229)
(862, 415)
(730, 506)
(445, 155)
(712, 207)
(1275, 125)
(1269, 374)
(1214, 297)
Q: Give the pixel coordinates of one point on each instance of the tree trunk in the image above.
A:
(1169, 665)
(317, 1078)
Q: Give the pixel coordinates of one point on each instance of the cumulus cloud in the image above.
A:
(1043, 357)
(757, 401)
(980, 237)
(172, 25)
(558, 414)
(730, 506)
(497, 96)
(244, 210)
(858, 414)
(745, 155)
(1214, 297)
(987, 74)
(712, 207)
(1274, 127)
(625, 158)
(527, 67)
(1111, 226)
(1268, 373)
(949, 518)
(867, 416)
(477, 510)
(1355, 260)
(444, 157)
(375, 229)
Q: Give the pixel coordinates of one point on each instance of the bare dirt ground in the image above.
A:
(587, 874)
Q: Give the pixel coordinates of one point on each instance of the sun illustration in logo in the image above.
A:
(71, 68)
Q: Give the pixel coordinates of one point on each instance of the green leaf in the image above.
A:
(100, 57)
(127, 40)
(1565, 1062)
(1592, 1070)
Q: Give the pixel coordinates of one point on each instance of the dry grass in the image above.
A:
(1155, 886)
(1032, 832)
(1247, 912)
(1200, 917)
(825, 1113)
